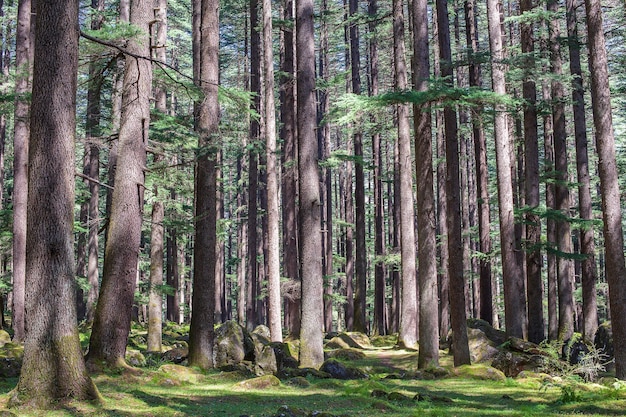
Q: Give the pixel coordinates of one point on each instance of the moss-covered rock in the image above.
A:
(480, 346)
(356, 340)
(340, 371)
(135, 358)
(336, 343)
(384, 341)
(5, 337)
(299, 382)
(176, 355)
(233, 344)
(181, 373)
(480, 372)
(261, 382)
(349, 354)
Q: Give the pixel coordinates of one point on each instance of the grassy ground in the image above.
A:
(155, 392)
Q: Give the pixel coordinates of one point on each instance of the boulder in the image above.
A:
(261, 382)
(356, 340)
(349, 354)
(176, 355)
(181, 373)
(574, 350)
(265, 361)
(340, 371)
(498, 337)
(5, 337)
(10, 367)
(233, 345)
(135, 358)
(263, 331)
(480, 372)
(284, 355)
(480, 346)
(512, 363)
(336, 343)
(603, 341)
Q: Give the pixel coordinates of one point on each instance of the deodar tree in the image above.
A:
(53, 368)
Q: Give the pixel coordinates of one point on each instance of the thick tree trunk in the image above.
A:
(534, 280)
(113, 313)
(611, 210)
(21, 133)
(201, 332)
(311, 340)
(53, 369)
(429, 318)
(514, 308)
(587, 245)
(409, 309)
(453, 191)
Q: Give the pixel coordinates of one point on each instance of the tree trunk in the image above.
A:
(201, 333)
(380, 317)
(273, 244)
(565, 266)
(408, 335)
(155, 295)
(289, 176)
(514, 308)
(172, 271)
(611, 210)
(453, 191)
(360, 265)
(587, 245)
(311, 340)
(53, 369)
(20, 162)
(534, 280)
(429, 318)
(113, 313)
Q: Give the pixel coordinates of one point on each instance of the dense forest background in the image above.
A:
(378, 166)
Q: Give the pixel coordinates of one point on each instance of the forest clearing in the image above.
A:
(389, 384)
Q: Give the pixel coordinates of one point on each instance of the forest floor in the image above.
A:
(173, 390)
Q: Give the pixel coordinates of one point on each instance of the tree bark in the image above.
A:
(408, 334)
(53, 369)
(113, 313)
(609, 185)
(534, 280)
(311, 340)
(587, 245)
(426, 223)
(201, 332)
(514, 308)
(453, 191)
(21, 134)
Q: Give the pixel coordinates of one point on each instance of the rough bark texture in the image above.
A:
(453, 191)
(565, 266)
(605, 144)
(113, 313)
(514, 308)
(53, 369)
(201, 332)
(426, 223)
(534, 281)
(273, 242)
(311, 340)
(587, 245)
(408, 334)
(20, 163)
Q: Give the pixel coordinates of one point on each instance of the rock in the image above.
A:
(261, 382)
(603, 341)
(300, 382)
(265, 361)
(512, 363)
(356, 340)
(135, 358)
(480, 346)
(5, 337)
(176, 355)
(340, 371)
(384, 341)
(346, 354)
(397, 396)
(378, 393)
(181, 373)
(304, 372)
(10, 367)
(336, 343)
(233, 345)
(521, 345)
(574, 350)
(284, 356)
(286, 411)
(263, 331)
(480, 372)
(498, 337)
